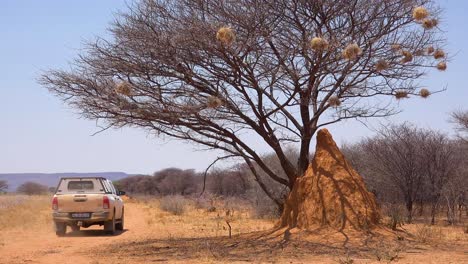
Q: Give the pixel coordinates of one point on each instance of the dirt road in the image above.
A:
(43, 246)
(152, 236)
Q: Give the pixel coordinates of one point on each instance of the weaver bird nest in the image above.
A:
(352, 51)
(381, 65)
(424, 93)
(430, 50)
(226, 35)
(439, 54)
(123, 88)
(319, 44)
(334, 101)
(442, 66)
(213, 102)
(401, 94)
(430, 23)
(407, 56)
(420, 13)
(396, 47)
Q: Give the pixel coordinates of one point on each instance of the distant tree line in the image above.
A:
(174, 181)
(3, 186)
(422, 170)
(32, 188)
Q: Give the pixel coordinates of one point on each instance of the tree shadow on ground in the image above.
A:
(262, 246)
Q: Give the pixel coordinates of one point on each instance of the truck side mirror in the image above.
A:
(121, 193)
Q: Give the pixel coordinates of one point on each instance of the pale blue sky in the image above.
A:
(38, 133)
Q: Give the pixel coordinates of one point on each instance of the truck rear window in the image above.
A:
(80, 185)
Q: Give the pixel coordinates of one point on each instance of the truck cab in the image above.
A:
(86, 201)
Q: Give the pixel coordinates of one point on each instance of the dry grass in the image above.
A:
(22, 212)
(196, 221)
(437, 234)
(201, 236)
(175, 204)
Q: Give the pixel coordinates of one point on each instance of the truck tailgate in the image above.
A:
(80, 202)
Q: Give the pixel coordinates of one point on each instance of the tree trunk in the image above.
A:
(433, 213)
(409, 209)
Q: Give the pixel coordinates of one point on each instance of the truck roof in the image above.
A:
(64, 178)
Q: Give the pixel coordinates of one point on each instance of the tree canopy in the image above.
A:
(224, 73)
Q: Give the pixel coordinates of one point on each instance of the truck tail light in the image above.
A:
(55, 203)
(105, 202)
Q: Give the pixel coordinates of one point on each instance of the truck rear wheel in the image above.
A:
(60, 228)
(109, 226)
(120, 225)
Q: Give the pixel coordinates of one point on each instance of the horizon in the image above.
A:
(42, 134)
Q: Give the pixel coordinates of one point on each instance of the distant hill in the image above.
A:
(51, 179)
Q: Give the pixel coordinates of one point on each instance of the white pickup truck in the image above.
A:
(87, 201)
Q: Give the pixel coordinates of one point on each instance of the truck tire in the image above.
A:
(109, 226)
(60, 228)
(120, 225)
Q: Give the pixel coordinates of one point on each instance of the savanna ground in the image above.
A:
(200, 235)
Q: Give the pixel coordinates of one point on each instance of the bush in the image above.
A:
(3, 186)
(32, 188)
(175, 204)
(396, 214)
(265, 208)
(427, 234)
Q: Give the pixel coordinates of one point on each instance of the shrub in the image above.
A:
(425, 234)
(395, 212)
(175, 204)
(3, 186)
(265, 209)
(32, 188)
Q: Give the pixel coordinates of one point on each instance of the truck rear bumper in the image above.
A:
(66, 217)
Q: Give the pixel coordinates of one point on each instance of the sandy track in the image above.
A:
(169, 240)
(43, 246)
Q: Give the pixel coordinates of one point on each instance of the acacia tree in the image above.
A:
(396, 154)
(222, 74)
(461, 119)
(439, 155)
